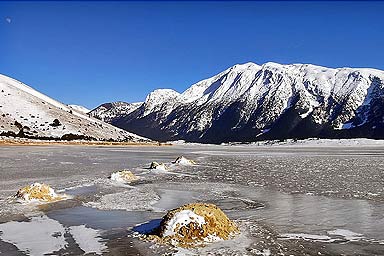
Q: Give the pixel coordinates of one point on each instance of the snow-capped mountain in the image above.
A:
(25, 112)
(108, 111)
(250, 102)
(78, 108)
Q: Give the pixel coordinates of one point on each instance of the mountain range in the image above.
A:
(251, 102)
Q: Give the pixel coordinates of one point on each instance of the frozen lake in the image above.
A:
(287, 200)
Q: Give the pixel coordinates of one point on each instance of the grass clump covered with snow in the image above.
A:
(38, 192)
(158, 166)
(183, 161)
(194, 225)
(124, 176)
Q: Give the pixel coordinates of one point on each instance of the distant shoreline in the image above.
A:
(311, 142)
(26, 142)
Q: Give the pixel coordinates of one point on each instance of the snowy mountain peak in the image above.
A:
(248, 65)
(248, 102)
(157, 98)
(108, 111)
(161, 95)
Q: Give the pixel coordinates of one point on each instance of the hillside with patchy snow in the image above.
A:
(80, 109)
(27, 113)
(250, 102)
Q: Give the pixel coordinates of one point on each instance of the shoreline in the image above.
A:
(305, 143)
(26, 142)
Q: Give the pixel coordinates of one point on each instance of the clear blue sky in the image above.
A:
(88, 53)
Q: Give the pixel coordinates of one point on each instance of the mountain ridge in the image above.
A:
(249, 102)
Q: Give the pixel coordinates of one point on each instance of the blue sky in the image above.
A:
(89, 53)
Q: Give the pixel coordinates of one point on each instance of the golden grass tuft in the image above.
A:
(37, 191)
(217, 226)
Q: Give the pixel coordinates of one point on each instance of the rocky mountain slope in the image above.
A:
(250, 102)
(25, 112)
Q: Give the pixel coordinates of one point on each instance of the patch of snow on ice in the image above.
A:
(307, 237)
(347, 234)
(39, 236)
(88, 239)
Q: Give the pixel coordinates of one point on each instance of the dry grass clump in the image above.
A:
(195, 224)
(39, 192)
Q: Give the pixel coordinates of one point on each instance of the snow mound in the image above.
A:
(158, 166)
(183, 161)
(124, 176)
(195, 225)
(39, 192)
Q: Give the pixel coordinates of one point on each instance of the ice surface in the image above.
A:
(337, 235)
(136, 199)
